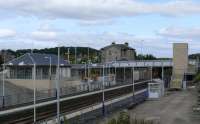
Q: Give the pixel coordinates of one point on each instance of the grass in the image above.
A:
(124, 118)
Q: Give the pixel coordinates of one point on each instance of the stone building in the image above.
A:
(117, 52)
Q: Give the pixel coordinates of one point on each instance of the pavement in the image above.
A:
(174, 108)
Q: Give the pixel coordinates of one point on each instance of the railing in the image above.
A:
(138, 63)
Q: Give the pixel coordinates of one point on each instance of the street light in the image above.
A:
(103, 97)
(75, 56)
(133, 81)
(34, 87)
(68, 53)
(3, 80)
(49, 65)
(85, 69)
(58, 87)
(115, 71)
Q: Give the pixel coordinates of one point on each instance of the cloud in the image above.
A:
(7, 33)
(45, 32)
(190, 35)
(96, 22)
(97, 9)
(181, 32)
(44, 35)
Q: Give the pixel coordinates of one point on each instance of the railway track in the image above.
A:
(68, 106)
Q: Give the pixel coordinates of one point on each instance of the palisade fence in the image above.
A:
(16, 95)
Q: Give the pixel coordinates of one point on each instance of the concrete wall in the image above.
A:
(42, 84)
(180, 57)
(25, 83)
(180, 64)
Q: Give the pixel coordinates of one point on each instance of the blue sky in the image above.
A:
(150, 26)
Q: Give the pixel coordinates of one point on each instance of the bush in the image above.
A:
(123, 118)
(65, 120)
(197, 78)
(112, 121)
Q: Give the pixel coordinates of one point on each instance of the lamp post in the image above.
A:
(34, 92)
(88, 54)
(142, 49)
(103, 95)
(68, 52)
(75, 56)
(34, 87)
(85, 69)
(115, 71)
(124, 74)
(49, 65)
(3, 81)
(151, 73)
(133, 80)
(58, 87)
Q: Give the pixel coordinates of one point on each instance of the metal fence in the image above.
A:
(26, 97)
(20, 91)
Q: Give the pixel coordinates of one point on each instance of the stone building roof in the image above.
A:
(38, 59)
(123, 46)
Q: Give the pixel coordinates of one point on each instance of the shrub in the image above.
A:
(112, 121)
(123, 118)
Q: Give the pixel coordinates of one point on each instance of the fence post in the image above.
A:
(103, 105)
(3, 101)
(133, 80)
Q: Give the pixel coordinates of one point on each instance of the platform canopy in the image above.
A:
(38, 59)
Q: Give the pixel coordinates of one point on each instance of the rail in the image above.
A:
(20, 99)
(50, 100)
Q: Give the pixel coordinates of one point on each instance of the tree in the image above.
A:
(145, 57)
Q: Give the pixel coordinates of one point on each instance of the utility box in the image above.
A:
(156, 89)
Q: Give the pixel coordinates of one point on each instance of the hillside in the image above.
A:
(81, 53)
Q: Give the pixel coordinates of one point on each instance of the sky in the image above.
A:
(149, 26)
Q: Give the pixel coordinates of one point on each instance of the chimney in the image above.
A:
(126, 43)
